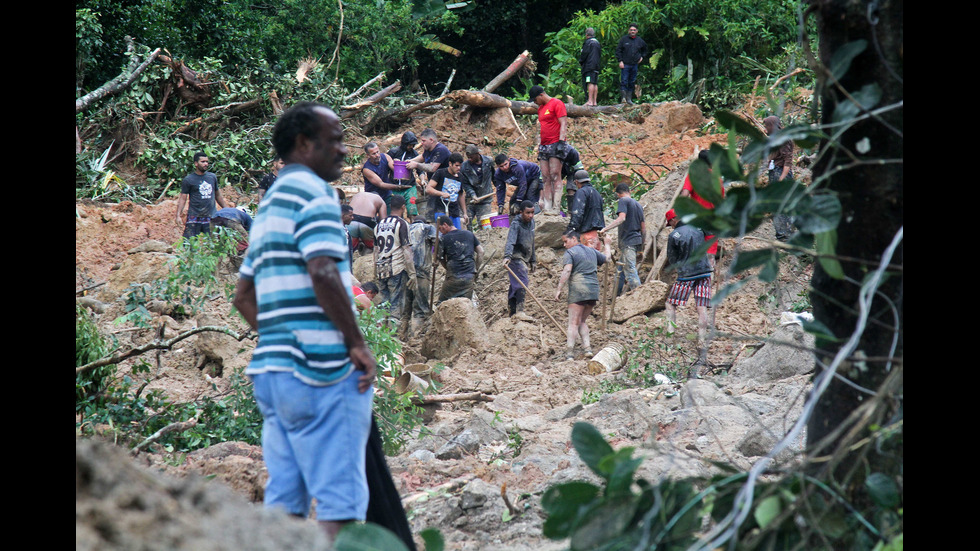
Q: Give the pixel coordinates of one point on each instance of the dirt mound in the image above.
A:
(456, 325)
(119, 505)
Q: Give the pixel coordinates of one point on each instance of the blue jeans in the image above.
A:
(629, 261)
(313, 442)
(393, 291)
(627, 77)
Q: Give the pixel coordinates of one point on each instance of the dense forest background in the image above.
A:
(721, 46)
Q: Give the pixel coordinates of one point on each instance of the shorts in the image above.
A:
(360, 230)
(591, 77)
(586, 302)
(681, 290)
(552, 150)
(313, 442)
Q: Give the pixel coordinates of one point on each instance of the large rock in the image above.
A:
(776, 361)
(456, 325)
(684, 116)
(119, 505)
(140, 267)
(645, 298)
(363, 268)
(548, 229)
(501, 123)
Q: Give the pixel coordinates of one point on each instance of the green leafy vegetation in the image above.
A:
(719, 44)
(652, 353)
(398, 417)
(191, 281)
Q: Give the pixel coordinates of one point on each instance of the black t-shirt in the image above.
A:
(459, 250)
(266, 182)
(453, 186)
(629, 230)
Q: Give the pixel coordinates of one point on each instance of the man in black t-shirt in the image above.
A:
(199, 192)
(445, 191)
(270, 178)
(632, 229)
(460, 254)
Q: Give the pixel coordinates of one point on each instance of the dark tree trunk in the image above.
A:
(872, 199)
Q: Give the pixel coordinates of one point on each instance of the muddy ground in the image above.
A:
(520, 439)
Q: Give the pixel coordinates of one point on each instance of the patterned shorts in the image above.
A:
(681, 290)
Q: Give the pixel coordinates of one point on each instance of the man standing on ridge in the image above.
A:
(199, 191)
(312, 370)
(630, 53)
(589, 60)
(553, 119)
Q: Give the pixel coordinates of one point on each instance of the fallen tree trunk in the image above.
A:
(439, 398)
(348, 111)
(508, 72)
(486, 100)
(364, 86)
(398, 115)
(658, 264)
(119, 83)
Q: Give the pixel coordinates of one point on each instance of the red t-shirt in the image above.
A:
(549, 116)
(706, 204)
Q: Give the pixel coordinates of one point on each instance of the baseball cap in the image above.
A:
(534, 92)
(670, 215)
(472, 150)
(582, 176)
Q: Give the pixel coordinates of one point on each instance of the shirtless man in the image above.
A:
(368, 209)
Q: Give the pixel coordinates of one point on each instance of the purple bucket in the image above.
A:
(500, 221)
(401, 170)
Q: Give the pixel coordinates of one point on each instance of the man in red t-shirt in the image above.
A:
(688, 191)
(553, 118)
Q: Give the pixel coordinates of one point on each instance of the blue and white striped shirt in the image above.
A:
(298, 220)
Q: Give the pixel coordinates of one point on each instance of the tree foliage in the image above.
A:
(722, 40)
(376, 35)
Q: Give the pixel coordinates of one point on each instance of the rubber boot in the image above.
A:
(519, 312)
(512, 306)
(628, 94)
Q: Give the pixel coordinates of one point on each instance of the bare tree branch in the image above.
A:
(119, 83)
(162, 344)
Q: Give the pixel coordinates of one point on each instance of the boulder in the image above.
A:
(363, 268)
(645, 298)
(501, 123)
(456, 325)
(683, 116)
(140, 267)
(548, 230)
(776, 361)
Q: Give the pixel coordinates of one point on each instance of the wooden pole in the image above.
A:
(538, 302)
(605, 289)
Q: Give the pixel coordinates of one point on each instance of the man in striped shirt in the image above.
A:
(311, 368)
